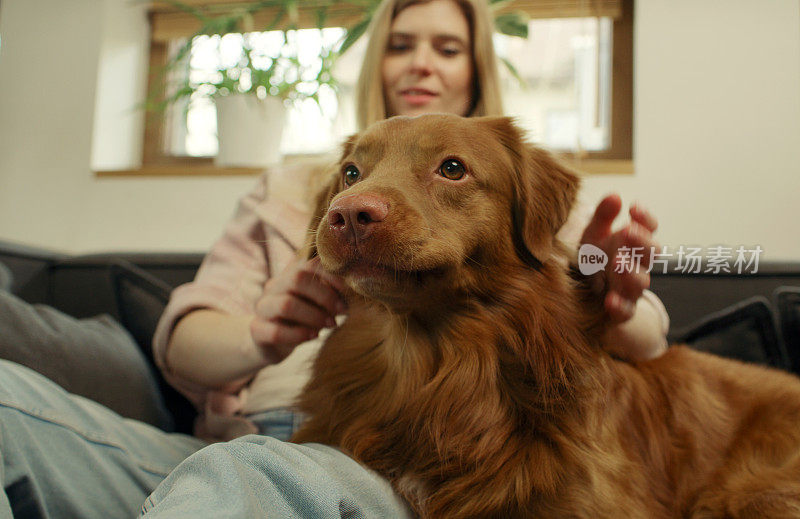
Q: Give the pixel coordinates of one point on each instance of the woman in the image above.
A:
(415, 64)
(241, 380)
(237, 338)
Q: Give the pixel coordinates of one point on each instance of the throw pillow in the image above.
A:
(94, 358)
(745, 331)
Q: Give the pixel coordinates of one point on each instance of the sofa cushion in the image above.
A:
(141, 299)
(745, 331)
(93, 357)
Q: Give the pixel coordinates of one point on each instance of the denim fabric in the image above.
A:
(64, 456)
(259, 476)
(279, 423)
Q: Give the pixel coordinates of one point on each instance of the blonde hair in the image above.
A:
(486, 100)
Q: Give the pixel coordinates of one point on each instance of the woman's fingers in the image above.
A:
(314, 265)
(643, 217)
(618, 308)
(599, 227)
(295, 306)
(637, 242)
(308, 280)
(278, 339)
(294, 309)
(632, 255)
(629, 285)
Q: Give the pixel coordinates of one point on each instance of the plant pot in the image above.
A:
(249, 130)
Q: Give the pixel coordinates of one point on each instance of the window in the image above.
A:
(575, 97)
(311, 127)
(563, 97)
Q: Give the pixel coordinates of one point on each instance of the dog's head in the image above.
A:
(421, 207)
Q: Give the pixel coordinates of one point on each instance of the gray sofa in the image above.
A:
(127, 288)
(753, 317)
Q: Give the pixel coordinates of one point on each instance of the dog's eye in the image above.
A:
(452, 169)
(351, 175)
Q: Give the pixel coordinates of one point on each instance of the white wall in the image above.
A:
(54, 55)
(47, 88)
(118, 130)
(717, 115)
(717, 137)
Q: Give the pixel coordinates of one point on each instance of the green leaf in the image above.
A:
(276, 20)
(264, 4)
(293, 12)
(194, 11)
(354, 33)
(514, 72)
(284, 75)
(321, 14)
(512, 24)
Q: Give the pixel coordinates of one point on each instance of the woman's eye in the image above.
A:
(452, 169)
(398, 44)
(351, 175)
(450, 52)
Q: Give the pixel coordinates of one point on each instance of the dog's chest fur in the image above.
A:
(467, 414)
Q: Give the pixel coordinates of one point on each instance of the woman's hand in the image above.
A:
(637, 324)
(622, 289)
(295, 306)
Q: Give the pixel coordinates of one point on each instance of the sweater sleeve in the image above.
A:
(261, 238)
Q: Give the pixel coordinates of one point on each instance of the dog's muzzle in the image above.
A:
(354, 218)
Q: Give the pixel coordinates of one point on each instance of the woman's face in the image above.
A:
(428, 62)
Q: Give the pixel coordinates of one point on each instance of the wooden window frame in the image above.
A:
(616, 159)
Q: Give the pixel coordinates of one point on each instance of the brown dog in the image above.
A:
(469, 371)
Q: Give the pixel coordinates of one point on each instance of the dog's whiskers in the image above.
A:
(405, 338)
(477, 263)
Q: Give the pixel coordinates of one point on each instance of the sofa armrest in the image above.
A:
(81, 285)
(690, 297)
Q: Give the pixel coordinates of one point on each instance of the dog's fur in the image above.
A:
(473, 379)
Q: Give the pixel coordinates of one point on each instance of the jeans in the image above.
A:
(260, 476)
(278, 423)
(64, 456)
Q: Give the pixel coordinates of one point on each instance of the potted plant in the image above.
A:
(251, 87)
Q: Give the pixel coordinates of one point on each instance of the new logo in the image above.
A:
(591, 259)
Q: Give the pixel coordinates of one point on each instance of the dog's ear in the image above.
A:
(332, 184)
(545, 191)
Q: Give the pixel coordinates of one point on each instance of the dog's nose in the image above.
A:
(354, 217)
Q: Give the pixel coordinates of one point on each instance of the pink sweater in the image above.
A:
(263, 237)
